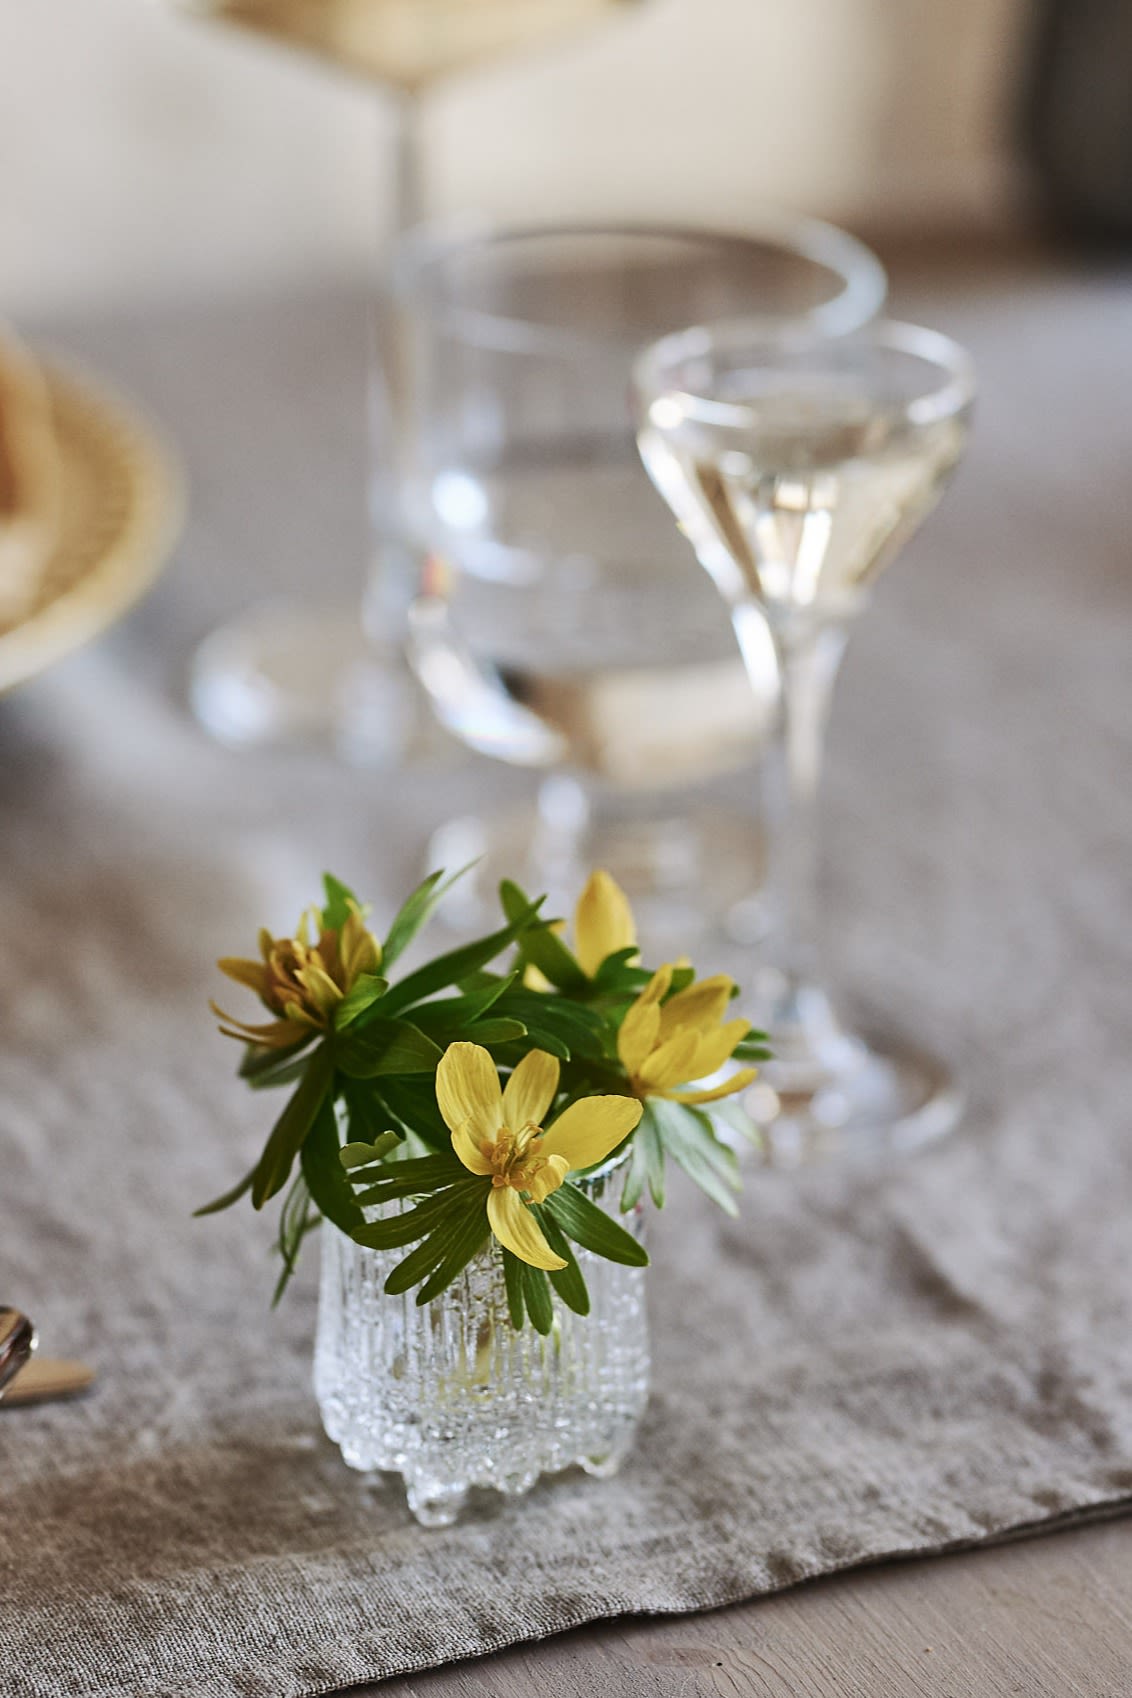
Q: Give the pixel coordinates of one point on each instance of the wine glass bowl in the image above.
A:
(797, 468)
(557, 626)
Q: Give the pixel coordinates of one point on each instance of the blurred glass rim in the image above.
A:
(657, 369)
(427, 254)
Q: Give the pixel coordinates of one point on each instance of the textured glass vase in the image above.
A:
(450, 1396)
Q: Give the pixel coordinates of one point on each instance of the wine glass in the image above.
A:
(289, 672)
(797, 469)
(557, 626)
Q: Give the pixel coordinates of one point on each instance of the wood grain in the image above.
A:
(1044, 1618)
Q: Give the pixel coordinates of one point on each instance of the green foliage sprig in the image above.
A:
(462, 1102)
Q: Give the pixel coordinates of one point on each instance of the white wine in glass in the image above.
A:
(289, 673)
(408, 44)
(797, 469)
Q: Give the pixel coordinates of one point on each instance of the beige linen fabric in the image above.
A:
(870, 1362)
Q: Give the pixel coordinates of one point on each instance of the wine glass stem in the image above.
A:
(806, 659)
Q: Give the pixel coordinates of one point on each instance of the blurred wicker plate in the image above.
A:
(121, 510)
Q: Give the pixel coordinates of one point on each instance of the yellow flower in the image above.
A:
(299, 981)
(666, 1044)
(603, 924)
(498, 1134)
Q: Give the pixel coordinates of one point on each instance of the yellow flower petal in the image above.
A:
(517, 1229)
(737, 1082)
(641, 1024)
(468, 1093)
(603, 922)
(276, 1035)
(715, 1048)
(591, 1129)
(530, 1090)
(469, 1151)
(673, 1063)
(250, 973)
(548, 1178)
(320, 987)
(702, 1005)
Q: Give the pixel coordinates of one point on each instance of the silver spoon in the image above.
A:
(17, 1341)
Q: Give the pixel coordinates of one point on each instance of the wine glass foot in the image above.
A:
(290, 673)
(682, 874)
(870, 1096)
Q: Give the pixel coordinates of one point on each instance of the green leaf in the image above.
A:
(467, 1238)
(634, 1187)
(387, 1046)
(361, 1155)
(417, 1265)
(753, 1047)
(274, 1166)
(261, 1065)
(568, 1281)
(539, 945)
(410, 1101)
(326, 1178)
(536, 1294)
(648, 1140)
(416, 912)
(453, 1014)
(367, 1118)
(295, 1221)
(593, 1229)
(402, 1178)
(457, 964)
(412, 1224)
(513, 1280)
(229, 1197)
(365, 991)
(340, 902)
(688, 1138)
(492, 1032)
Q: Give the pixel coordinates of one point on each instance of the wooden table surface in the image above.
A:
(1046, 1617)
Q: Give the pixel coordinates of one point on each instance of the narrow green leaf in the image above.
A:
(457, 964)
(260, 1064)
(367, 1119)
(634, 1187)
(492, 1032)
(593, 1229)
(513, 1280)
(229, 1197)
(274, 1166)
(649, 1140)
(568, 1282)
(456, 1013)
(384, 1180)
(538, 944)
(688, 1138)
(326, 1178)
(467, 1239)
(417, 1265)
(340, 900)
(365, 991)
(387, 1047)
(416, 911)
(536, 1293)
(412, 1224)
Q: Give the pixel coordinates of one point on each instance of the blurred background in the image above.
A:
(148, 157)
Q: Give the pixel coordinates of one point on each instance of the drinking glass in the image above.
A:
(289, 672)
(797, 468)
(556, 625)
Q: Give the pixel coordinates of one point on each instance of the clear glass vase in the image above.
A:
(450, 1396)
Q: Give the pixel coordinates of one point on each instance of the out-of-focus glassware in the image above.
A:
(284, 672)
(558, 626)
(797, 468)
(451, 1396)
